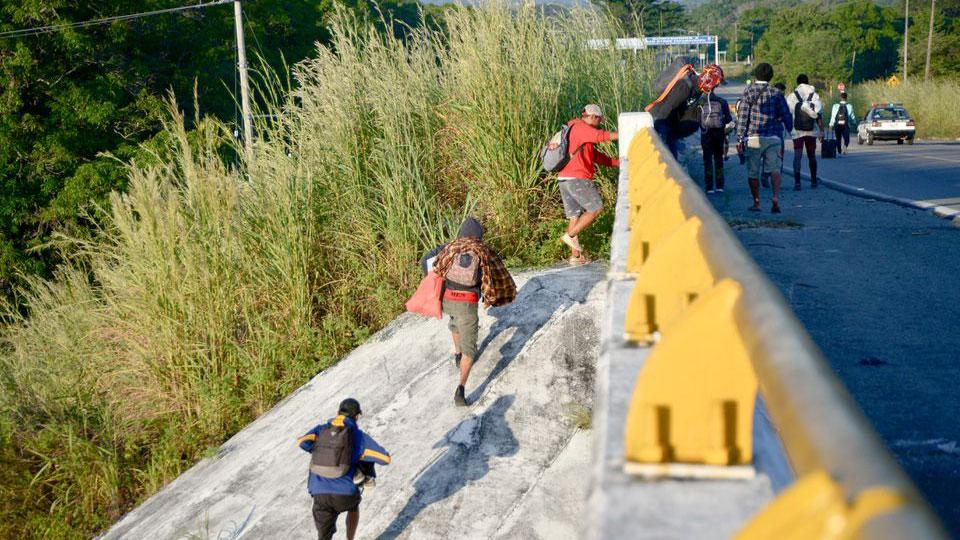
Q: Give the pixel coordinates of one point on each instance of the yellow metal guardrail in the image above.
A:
(720, 332)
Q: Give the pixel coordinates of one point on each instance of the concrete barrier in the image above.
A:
(697, 346)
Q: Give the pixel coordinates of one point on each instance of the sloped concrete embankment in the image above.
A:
(512, 465)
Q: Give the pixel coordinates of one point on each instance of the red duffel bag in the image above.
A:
(426, 301)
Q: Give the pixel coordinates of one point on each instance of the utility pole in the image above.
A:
(244, 82)
(906, 41)
(736, 36)
(926, 70)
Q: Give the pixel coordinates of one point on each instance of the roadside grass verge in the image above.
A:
(213, 290)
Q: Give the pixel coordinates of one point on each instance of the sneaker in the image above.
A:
(710, 192)
(719, 190)
(775, 209)
(459, 398)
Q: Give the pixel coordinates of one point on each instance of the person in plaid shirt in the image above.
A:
(761, 119)
(471, 271)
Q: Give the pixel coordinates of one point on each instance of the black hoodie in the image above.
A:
(469, 227)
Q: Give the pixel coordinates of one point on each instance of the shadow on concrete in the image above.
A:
(470, 445)
(535, 305)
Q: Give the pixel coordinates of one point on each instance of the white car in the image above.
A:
(887, 122)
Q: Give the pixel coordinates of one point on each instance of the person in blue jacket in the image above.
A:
(332, 496)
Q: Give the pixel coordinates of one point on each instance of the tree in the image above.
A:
(824, 42)
(945, 54)
(653, 17)
(752, 24)
(68, 98)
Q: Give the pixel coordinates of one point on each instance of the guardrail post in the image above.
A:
(815, 507)
(660, 216)
(647, 174)
(673, 277)
(694, 398)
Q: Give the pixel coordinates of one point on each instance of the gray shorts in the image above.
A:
(465, 321)
(579, 195)
(769, 151)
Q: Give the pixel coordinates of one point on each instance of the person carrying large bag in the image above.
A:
(674, 114)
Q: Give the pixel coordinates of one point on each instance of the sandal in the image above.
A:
(571, 242)
(579, 261)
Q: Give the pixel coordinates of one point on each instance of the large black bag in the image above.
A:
(675, 87)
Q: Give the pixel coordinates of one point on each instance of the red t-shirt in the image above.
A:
(583, 163)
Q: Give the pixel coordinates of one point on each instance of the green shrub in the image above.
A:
(213, 291)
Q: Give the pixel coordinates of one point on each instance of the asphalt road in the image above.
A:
(927, 173)
(878, 288)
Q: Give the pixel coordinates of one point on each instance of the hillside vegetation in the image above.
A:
(210, 291)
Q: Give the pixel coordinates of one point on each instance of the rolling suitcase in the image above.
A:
(828, 147)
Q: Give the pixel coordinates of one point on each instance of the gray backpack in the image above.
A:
(332, 453)
(556, 153)
(711, 115)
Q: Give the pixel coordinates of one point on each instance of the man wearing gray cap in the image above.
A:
(581, 201)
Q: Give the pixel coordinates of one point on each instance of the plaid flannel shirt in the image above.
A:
(496, 283)
(761, 112)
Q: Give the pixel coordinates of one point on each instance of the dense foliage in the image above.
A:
(945, 53)
(654, 17)
(852, 42)
(837, 40)
(213, 289)
(74, 102)
(739, 23)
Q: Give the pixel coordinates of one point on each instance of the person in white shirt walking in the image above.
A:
(805, 105)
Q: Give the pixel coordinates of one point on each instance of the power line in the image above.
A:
(27, 32)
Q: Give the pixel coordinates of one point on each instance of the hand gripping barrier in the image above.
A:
(720, 332)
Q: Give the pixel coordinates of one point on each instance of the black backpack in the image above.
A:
(332, 453)
(842, 114)
(801, 120)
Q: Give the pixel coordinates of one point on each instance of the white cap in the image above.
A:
(593, 109)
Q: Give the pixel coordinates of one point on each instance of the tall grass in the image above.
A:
(930, 104)
(212, 290)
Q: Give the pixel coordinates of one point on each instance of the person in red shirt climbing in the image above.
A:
(581, 200)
